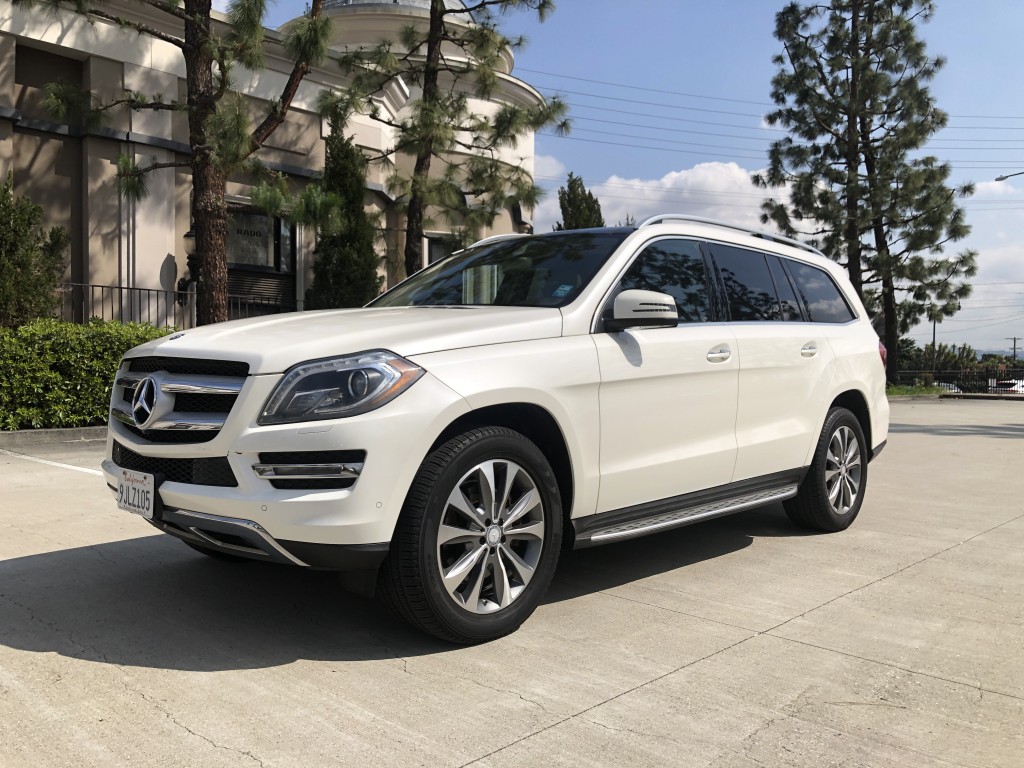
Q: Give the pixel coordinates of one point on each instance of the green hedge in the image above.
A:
(55, 374)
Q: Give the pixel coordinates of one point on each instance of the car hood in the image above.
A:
(274, 343)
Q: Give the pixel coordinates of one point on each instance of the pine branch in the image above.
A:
(142, 29)
(276, 115)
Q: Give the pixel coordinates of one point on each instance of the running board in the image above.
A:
(672, 513)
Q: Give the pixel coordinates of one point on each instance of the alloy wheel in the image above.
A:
(491, 536)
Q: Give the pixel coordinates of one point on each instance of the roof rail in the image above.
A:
(491, 239)
(714, 222)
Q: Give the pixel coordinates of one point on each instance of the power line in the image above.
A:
(642, 88)
(770, 105)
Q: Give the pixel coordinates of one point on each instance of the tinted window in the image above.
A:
(784, 289)
(542, 271)
(748, 284)
(675, 267)
(822, 299)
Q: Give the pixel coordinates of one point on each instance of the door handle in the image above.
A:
(810, 349)
(719, 354)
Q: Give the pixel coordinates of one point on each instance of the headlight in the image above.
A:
(339, 387)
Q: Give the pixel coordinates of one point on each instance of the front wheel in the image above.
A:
(478, 538)
(831, 494)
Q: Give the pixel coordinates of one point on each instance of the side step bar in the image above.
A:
(642, 519)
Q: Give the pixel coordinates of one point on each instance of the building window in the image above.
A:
(257, 242)
(440, 247)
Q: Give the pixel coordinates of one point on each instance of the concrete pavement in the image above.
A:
(739, 642)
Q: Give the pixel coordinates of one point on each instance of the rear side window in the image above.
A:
(675, 267)
(748, 284)
(822, 298)
(784, 288)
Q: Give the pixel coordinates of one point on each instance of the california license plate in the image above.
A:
(136, 493)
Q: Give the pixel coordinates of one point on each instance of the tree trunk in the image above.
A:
(209, 209)
(852, 228)
(208, 205)
(890, 318)
(421, 171)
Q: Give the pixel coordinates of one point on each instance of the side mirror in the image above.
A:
(642, 309)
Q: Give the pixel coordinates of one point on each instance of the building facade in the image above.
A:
(127, 261)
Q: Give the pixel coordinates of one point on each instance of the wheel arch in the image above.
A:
(855, 402)
(540, 427)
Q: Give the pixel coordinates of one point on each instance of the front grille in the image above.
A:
(178, 407)
(207, 471)
(185, 402)
(187, 365)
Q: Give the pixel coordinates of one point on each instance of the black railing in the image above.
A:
(84, 301)
(972, 380)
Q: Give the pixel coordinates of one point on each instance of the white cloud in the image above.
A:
(720, 191)
(547, 167)
(221, 5)
(723, 191)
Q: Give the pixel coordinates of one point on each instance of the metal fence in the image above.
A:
(81, 302)
(976, 380)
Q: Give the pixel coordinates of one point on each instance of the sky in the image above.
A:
(667, 101)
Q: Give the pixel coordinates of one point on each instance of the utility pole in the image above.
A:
(1014, 339)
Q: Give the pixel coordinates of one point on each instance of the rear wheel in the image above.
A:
(831, 494)
(478, 539)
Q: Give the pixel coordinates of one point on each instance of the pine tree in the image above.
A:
(456, 56)
(345, 270)
(220, 135)
(31, 259)
(580, 209)
(851, 88)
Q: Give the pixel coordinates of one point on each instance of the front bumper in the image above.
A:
(307, 525)
(246, 538)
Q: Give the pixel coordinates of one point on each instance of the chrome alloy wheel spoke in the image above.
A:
(843, 470)
(490, 537)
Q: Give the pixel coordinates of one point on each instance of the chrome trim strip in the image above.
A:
(175, 422)
(693, 514)
(249, 525)
(123, 416)
(188, 422)
(196, 385)
(201, 385)
(308, 471)
(131, 382)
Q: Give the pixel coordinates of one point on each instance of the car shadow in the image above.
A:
(595, 569)
(152, 602)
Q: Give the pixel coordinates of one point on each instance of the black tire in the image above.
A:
(832, 493)
(216, 554)
(498, 592)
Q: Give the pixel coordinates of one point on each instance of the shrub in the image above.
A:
(56, 374)
(31, 259)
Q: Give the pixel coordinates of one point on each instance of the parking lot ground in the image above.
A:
(735, 643)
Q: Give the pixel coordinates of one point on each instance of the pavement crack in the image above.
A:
(166, 713)
(644, 734)
(864, 704)
(894, 573)
(619, 695)
(889, 665)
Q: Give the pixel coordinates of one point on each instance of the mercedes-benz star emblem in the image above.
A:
(143, 402)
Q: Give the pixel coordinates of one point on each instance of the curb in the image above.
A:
(21, 437)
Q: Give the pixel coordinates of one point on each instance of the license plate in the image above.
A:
(136, 493)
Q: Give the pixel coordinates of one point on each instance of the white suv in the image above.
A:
(525, 394)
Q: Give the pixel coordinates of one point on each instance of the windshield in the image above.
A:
(543, 271)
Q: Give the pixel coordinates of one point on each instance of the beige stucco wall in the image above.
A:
(73, 175)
